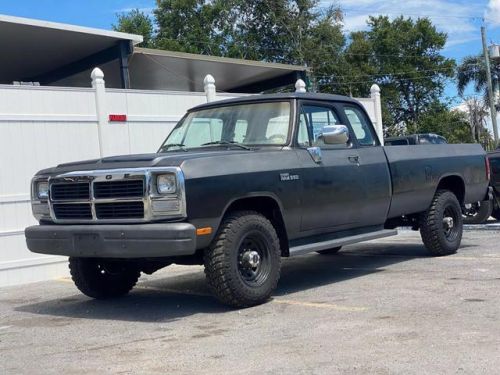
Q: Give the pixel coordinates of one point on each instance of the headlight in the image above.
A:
(166, 184)
(42, 190)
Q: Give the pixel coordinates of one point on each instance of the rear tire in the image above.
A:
(478, 213)
(243, 264)
(332, 251)
(103, 278)
(441, 226)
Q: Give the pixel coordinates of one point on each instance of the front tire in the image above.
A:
(103, 278)
(441, 226)
(243, 264)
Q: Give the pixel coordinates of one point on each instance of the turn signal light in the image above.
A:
(204, 231)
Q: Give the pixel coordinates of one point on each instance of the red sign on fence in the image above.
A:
(117, 118)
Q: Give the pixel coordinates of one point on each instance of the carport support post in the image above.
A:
(209, 86)
(375, 95)
(99, 86)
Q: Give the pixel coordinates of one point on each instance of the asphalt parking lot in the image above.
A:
(380, 307)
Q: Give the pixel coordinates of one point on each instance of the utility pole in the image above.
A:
(493, 110)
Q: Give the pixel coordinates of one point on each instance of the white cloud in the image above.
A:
(458, 18)
(492, 13)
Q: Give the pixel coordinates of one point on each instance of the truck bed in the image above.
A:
(416, 170)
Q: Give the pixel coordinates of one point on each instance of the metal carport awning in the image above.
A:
(167, 70)
(47, 52)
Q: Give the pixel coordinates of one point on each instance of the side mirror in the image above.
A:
(335, 134)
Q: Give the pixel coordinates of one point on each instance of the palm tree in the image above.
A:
(472, 70)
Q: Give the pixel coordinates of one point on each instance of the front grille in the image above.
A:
(111, 196)
(78, 211)
(119, 189)
(120, 210)
(70, 191)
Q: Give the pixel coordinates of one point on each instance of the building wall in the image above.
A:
(41, 127)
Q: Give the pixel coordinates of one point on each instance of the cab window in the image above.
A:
(312, 119)
(360, 125)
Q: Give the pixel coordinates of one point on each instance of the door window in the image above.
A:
(360, 125)
(311, 122)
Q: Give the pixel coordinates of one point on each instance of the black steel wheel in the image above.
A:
(332, 251)
(103, 278)
(242, 265)
(441, 226)
(477, 213)
(254, 263)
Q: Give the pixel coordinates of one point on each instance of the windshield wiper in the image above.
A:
(168, 145)
(230, 143)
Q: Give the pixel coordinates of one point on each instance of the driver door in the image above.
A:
(332, 196)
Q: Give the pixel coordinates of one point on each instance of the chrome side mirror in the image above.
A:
(335, 134)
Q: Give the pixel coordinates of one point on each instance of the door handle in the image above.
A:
(353, 159)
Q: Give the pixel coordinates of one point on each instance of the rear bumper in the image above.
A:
(113, 241)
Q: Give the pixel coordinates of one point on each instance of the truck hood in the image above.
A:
(170, 159)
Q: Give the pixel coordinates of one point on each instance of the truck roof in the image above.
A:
(282, 96)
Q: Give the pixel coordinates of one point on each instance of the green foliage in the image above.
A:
(438, 119)
(136, 22)
(404, 57)
(472, 70)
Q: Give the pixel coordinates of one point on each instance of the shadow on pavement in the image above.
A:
(175, 297)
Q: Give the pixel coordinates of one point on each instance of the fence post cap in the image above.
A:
(375, 89)
(97, 74)
(300, 86)
(209, 80)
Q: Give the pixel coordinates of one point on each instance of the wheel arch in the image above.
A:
(454, 183)
(268, 205)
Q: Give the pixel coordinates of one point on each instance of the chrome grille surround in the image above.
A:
(150, 195)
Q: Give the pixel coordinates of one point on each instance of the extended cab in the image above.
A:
(241, 183)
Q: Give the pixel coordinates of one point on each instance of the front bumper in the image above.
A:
(113, 241)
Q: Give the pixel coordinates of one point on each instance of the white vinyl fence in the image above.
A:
(41, 127)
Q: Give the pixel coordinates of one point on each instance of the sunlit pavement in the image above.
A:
(378, 307)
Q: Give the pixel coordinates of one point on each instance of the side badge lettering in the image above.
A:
(289, 177)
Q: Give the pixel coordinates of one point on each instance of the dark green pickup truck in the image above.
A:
(241, 183)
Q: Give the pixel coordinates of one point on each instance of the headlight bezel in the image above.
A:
(40, 203)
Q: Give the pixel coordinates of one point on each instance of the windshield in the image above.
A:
(255, 124)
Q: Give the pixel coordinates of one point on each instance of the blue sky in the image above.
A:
(461, 19)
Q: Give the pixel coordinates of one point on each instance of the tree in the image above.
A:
(403, 57)
(476, 111)
(439, 119)
(136, 22)
(472, 70)
(284, 31)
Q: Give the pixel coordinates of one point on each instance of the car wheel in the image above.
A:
(243, 264)
(103, 278)
(477, 213)
(332, 251)
(441, 226)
